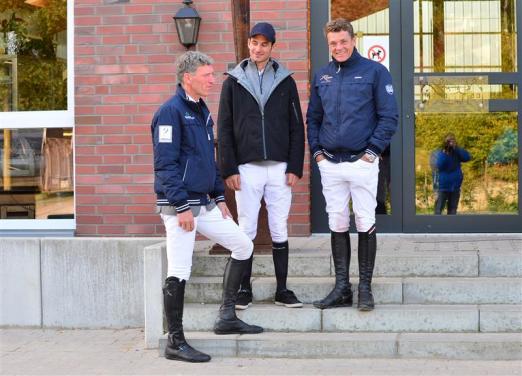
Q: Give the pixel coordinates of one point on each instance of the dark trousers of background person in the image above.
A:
(383, 186)
(449, 198)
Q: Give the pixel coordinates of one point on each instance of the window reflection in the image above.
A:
(490, 184)
(33, 55)
(36, 179)
(465, 36)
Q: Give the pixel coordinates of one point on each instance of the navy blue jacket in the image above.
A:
(449, 169)
(185, 170)
(352, 109)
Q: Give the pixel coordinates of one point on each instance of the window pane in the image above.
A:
(36, 177)
(371, 26)
(490, 177)
(466, 36)
(33, 55)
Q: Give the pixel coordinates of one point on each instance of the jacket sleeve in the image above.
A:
(463, 154)
(386, 112)
(226, 140)
(166, 136)
(314, 119)
(296, 152)
(443, 161)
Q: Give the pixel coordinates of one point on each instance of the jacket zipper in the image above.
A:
(185, 172)
(263, 129)
(339, 96)
(206, 126)
(262, 112)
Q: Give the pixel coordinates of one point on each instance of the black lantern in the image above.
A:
(187, 24)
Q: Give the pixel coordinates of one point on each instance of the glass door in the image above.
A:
(378, 37)
(461, 107)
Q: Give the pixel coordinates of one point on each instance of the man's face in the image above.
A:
(341, 45)
(201, 81)
(260, 49)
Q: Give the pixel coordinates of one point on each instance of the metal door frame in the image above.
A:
(320, 14)
(403, 216)
(473, 223)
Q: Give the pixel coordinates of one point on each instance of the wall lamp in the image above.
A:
(187, 24)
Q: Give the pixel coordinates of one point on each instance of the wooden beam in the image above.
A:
(241, 23)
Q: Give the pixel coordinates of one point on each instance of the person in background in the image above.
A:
(447, 163)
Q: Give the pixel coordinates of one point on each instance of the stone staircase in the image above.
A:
(446, 296)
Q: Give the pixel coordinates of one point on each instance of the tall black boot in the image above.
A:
(341, 295)
(366, 252)
(177, 347)
(227, 321)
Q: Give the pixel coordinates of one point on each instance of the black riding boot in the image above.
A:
(227, 321)
(177, 347)
(244, 296)
(367, 251)
(341, 295)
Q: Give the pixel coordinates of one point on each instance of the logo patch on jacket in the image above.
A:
(389, 89)
(165, 133)
(189, 116)
(325, 78)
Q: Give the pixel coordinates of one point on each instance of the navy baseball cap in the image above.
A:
(264, 29)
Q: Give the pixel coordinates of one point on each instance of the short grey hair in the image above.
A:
(340, 24)
(189, 62)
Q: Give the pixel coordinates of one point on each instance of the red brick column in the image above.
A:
(124, 70)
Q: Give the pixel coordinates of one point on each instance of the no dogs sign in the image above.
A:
(376, 48)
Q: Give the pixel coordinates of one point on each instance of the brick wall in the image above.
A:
(124, 70)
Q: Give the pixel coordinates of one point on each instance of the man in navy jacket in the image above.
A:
(351, 118)
(190, 197)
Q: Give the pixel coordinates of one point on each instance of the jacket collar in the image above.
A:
(350, 62)
(239, 74)
(196, 106)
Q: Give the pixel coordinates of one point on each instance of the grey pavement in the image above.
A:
(121, 352)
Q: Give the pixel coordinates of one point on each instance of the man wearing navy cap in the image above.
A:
(261, 150)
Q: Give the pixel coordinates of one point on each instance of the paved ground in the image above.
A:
(121, 352)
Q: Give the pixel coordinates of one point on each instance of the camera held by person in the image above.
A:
(450, 144)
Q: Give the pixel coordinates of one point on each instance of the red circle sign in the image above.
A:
(376, 53)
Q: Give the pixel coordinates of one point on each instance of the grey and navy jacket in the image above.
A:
(352, 109)
(249, 131)
(185, 170)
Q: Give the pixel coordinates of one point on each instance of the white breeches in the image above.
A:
(342, 181)
(268, 181)
(180, 243)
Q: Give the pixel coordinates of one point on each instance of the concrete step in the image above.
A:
(449, 290)
(209, 289)
(478, 290)
(318, 263)
(385, 318)
(469, 346)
